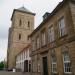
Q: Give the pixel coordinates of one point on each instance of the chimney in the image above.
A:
(45, 15)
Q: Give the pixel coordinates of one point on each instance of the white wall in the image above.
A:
(24, 55)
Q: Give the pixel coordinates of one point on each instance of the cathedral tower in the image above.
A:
(22, 25)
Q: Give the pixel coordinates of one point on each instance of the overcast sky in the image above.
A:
(6, 8)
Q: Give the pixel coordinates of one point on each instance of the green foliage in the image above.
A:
(1, 65)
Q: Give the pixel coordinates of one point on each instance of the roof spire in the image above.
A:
(23, 5)
(24, 10)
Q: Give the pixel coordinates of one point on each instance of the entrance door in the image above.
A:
(26, 66)
(45, 66)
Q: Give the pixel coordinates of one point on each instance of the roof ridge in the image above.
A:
(24, 9)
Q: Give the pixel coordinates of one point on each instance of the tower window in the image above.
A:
(19, 36)
(28, 24)
(20, 22)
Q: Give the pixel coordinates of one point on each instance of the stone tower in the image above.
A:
(22, 25)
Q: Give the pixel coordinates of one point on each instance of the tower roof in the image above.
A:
(24, 10)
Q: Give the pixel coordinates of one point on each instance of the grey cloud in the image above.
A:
(3, 32)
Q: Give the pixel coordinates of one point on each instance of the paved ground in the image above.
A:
(11, 73)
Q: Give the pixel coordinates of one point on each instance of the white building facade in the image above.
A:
(23, 60)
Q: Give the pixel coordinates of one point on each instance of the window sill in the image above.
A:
(43, 46)
(37, 48)
(60, 37)
(51, 42)
(56, 73)
(33, 51)
(68, 73)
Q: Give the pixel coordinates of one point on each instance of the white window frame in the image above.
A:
(24, 55)
(43, 38)
(66, 62)
(62, 27)
(38, 42)
(34, 66)
(54, 63)
(39, 70)
(33, 45)
(51, 34)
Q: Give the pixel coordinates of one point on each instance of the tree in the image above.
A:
(1, 65)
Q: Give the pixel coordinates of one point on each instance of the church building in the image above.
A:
(21, 27)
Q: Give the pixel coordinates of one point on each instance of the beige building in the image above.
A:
(22, 25)
(53, 42)
(23, 60)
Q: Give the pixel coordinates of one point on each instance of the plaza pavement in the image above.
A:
(13, 73)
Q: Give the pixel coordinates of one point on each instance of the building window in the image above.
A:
(28, 52)
(29, 65)
(20, 22)
(33, 66)
(21, 56)
(33, 45)
(54, 64)
(28, 24)
(19, 36)
(51, 34)
(28, 38)
(37, 42)
(38, 66)
(43, 38)
(66, 62)
(34, 62)
(24, 54)
(62, 28)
